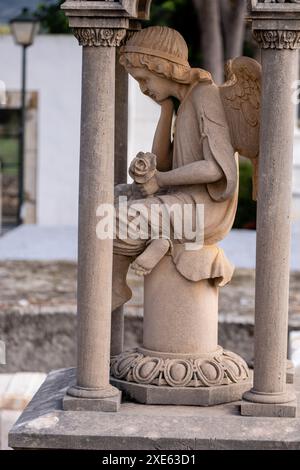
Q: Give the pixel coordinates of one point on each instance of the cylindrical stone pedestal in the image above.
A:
(273, 230)
(180, 361)
(183, 320)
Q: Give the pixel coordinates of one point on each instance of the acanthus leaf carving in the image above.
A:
(100, 36)
(274, 39)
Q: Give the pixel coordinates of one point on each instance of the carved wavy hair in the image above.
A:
(160, 40)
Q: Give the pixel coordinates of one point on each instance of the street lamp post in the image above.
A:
(24, 28)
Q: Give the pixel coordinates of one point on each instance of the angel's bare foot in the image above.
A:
(145, 262)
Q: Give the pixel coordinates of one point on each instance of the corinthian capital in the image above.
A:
(99, 36)
(273, 39)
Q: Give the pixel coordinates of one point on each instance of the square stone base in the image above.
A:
(111, 404)
(45, 425)
(272, 410)
(204, 396)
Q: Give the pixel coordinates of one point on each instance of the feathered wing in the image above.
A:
(241, 100)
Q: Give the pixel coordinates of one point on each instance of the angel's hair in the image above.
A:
(164, 52)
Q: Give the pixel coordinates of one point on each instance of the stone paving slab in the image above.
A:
(35, 242)
(44, 425)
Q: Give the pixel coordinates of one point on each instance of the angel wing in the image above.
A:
(241, 100)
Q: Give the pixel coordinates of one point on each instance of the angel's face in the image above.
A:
(157, 88)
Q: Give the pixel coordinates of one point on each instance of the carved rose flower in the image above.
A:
(107, 33)
(143, 167)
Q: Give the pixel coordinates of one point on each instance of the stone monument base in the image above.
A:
(111, 404)
(44, 425)
(205, 396)
(273, 410)
(157, 378)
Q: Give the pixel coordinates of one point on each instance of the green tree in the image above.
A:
(53, 19)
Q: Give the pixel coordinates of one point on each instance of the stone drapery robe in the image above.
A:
(201, 133)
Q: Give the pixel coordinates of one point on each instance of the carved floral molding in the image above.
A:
(267, 39)
(222, 368)
(99, 36)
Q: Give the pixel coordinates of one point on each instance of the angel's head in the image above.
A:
(157, 57)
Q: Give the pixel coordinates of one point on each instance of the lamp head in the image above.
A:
(24, 28)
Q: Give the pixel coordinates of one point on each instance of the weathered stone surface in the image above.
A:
(38, 314)
(151, 367)
(44, 425)
(205, 396)
(111, 404)
(276, 410)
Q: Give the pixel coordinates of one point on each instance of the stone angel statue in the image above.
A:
(193, 163)
(199, 166)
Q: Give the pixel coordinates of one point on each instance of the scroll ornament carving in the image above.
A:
(273, 39)
(222, 368)
(99, 36)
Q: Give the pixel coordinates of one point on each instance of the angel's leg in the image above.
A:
(146, 261)
(121, 293)
(124, 252)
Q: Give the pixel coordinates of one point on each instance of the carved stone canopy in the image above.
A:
(267, 8)
(104, 22)
(136, 9)
(275, 23)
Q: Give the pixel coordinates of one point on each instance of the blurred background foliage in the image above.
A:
(52, 18)
(214, 31)
(180, 15)
(246, 213)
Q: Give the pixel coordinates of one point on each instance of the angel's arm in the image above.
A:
(162, 145)
(200, 172)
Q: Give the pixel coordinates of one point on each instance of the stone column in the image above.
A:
(121, 137)
(100, 26)
(270, 395)
(121, 163)
(296, 167)
(96, 188)
(121, 122)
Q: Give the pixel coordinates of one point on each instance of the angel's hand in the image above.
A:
(166, 104)
(150, 187)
